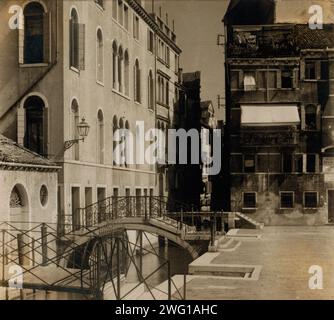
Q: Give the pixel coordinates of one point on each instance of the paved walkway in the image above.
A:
(285, 254)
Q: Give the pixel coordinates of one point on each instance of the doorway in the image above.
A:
(75, 206)
(331, 206)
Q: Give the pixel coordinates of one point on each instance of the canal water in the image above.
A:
(179, 260)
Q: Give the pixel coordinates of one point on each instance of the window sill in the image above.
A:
(74, 69)
(100, 83)
(163, 105)
(249, 209)
(286, 208)
(138, 103)
(121, 94)
(33, 65)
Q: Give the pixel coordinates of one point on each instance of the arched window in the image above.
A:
(114, 65)
(127, 144)
(74, 127)
(159, 89)
(162, 90)
(99, 55)
(100, 137)
(150, 91)
(35, 133)
(137, 82)
(114, 129)
(35, 41)
(167, 92)
(120, 69)
(126, 72)
(19, 204)
(74, 39)
(122, 127)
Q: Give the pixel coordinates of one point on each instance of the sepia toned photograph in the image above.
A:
(177, 150)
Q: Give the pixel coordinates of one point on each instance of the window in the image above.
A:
(100, 137)
(167, 93)
(176, 58)
(126, 72)
(311, 117)
(114, 9)
(77, 42)
(116, 159)
(311, 163)
(120, 12)
(249, 200)
(310, 199)
(114, 65)
(287, 163)
(99, 58)
(167, 56)
(135, 27)
(36, 35)
(126, 17)
(235, 79)
(150, 41)
(249, 163)
(150, 91)
(74, 40)
(137, 82)
(287, 200)
(43, 195)
(298, 163)
(310, 70)
(35, 133)
(120, 69)
(286, 79)
(249, 81)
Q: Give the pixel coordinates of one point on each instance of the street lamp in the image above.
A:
(83, 130)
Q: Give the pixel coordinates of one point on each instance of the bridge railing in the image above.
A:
(114, 208)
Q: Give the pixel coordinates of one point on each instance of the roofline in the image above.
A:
(31, 166)
(151, 22)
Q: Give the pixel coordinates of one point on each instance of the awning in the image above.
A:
(269, 115)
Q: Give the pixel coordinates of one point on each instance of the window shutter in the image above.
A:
(47, 37)
(318, 117)
(318, 70)
(317, 163)
(295, 78)
(302, 69)
(82, 43)
(279, 79)
(302, 113)
(21, 38)
(304, 163)
(241, 79)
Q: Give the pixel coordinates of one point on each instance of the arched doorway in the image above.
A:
(19, 204)
(35, 124)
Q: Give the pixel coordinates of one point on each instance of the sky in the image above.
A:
(197, 25)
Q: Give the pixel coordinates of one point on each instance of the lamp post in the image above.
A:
(83, 130)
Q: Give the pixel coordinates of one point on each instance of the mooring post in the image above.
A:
(118, 295)
(169, 281)
(44, 236)
(3, 255)
(185, 286)
(141, 252)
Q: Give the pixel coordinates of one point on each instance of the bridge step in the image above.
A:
(250, 220)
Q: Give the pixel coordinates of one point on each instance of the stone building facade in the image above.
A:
(67, 60)
(278, 119)
(28, 186)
